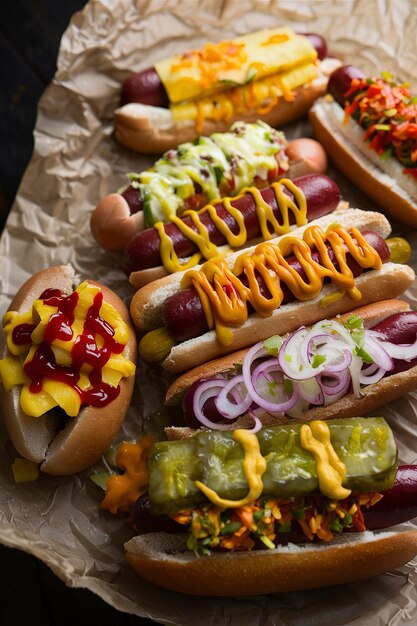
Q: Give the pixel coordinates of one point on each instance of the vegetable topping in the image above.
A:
(387, 111)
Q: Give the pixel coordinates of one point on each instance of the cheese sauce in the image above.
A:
(215, 166)
(225, 297)
(236, 237)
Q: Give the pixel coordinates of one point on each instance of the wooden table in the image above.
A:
(30, 35)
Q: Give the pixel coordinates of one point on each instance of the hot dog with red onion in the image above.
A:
(186, 242)
(197, 173)
(275, 78)
(228, 304)
(355, 363)
(368, 126)
(247, 500)
(67, 370)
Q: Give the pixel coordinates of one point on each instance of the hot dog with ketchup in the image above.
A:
(343, 367)
(241, 495)
(232, 223)
(194, 174)
(67, 370)
(273, 75)
(231, 302)
(368, 126)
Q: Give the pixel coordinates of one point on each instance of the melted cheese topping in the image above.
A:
(260, 96)
(225, 297)
(219, 165)
(218, 66)
(66, 351)
(268, 223)
(315, 437)
(254, 466)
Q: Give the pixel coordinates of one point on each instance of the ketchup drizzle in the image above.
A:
(84, 351)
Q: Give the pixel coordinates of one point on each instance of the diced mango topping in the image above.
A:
(66, 351)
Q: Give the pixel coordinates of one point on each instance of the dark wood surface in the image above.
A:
(30, 33)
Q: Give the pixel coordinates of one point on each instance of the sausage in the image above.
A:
(398, 505)
(340, 81)
(143, 250)
(146, 87)
(183, 313)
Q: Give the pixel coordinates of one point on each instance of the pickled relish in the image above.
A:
(268, 519)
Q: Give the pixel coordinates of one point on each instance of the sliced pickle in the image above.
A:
(365, 445)
(174, 466)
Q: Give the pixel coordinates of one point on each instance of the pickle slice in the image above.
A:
(365, 445)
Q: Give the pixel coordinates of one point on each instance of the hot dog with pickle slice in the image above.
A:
(194, 174)
(231, 302)
(368, 126)
(241, 495)
(67, 370)
(273, 75)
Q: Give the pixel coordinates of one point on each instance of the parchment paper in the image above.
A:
(75, 162)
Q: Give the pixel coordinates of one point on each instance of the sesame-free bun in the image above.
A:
(165, 561)
(382, 181)
(84, 438)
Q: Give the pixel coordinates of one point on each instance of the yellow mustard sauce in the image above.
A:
(225, 298)
(268, 223)
(122, 490)
(254, 466)
(315, 437)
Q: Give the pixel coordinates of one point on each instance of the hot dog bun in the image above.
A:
(165, 561)
(149, 129)
(85, 437)
(381, 180)
(372, 396)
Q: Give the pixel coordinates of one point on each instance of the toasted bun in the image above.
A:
(150, 130)
(371, 177)
(85, 437)
(164, 560)
(371, 315)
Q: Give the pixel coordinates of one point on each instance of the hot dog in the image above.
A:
(247, 296)
(240, 495)
(68, 353)
(355, 363)
(197, 173)
(189, 240)
(369, 129)
(272, 75)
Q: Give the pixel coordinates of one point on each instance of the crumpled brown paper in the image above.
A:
(75, 162)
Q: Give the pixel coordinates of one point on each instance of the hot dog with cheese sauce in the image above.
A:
(230, 303)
